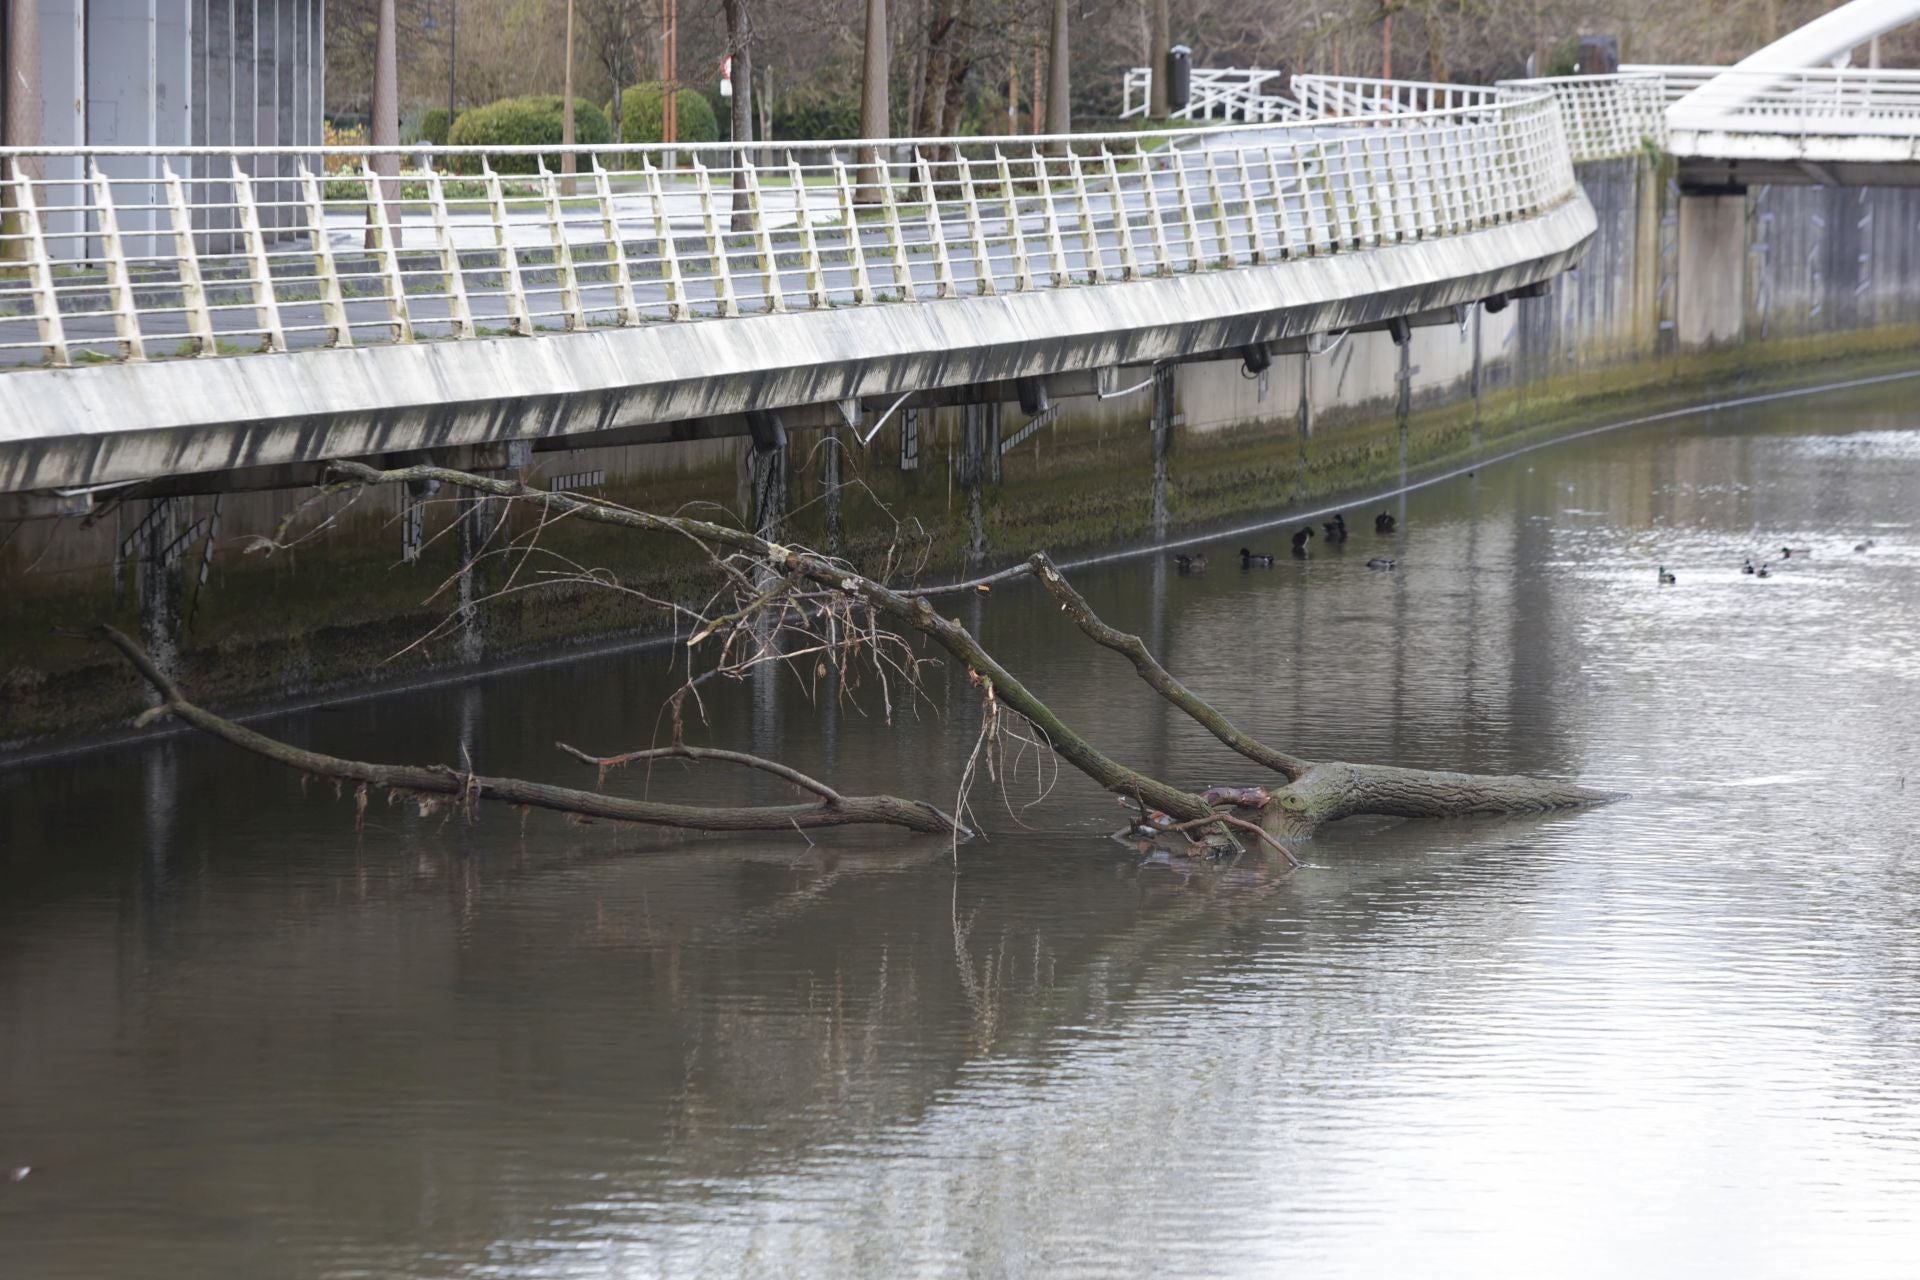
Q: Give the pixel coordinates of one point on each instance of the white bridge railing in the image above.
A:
(1227, 93)
(1608, 116)
(139, 254)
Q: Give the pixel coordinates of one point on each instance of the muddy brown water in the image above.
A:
(1678, 1036)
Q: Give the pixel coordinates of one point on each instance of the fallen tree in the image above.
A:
(785, 604)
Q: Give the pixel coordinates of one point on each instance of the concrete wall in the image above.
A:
(1832, 285)
(144, 73)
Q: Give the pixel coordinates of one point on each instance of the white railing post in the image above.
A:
(126, 315)
(896, 238)
(1096, 269)
(676, 284)
(1122, 220)
(46, 303)
(976, 226)
(519, 314)
(1196, 251)
(1156, 221)
(1283, 224)
(763, 237)
(716, 242)
(1256, 244)
(856, 247)
(333, 305)
(1222, 229)
(625, 304)
(1050, 217)
(259, 275)
(193, 294)
(809, 242)
(459, 314)
(1016, 234)
(573, 317)
(386, 232)
(943, 286)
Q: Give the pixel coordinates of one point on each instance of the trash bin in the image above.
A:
(1179, 76)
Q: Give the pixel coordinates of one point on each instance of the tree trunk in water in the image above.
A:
(426, 786)
(873, 100)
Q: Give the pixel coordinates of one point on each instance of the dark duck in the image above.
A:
(1255, 559)
(1300, 540)
(1336, 528)
(1384, 523)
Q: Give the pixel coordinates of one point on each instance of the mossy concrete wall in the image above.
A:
(1833, 286)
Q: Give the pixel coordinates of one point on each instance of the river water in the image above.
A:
(1677, 1036)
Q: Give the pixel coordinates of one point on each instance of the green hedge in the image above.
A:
(526, 122)
(640, 115)
(435, 126)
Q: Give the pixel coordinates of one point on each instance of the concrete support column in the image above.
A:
(972, 466)
(767, 480)
(1403, 407)
(478, 522)
(123, 110)
(1162, 427)
(1305, 424)
(830, 482)
(213, 117)
(161, 583)
(20, 101)
(1712, 285)
(63, 119)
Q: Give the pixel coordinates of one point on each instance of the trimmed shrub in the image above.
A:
(641, 116)
(525, 122)
(810, 115)
(436, 128)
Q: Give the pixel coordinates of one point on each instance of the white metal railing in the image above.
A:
(1339, 96)
(1226, 93)
(1615, 115)
(137, 254)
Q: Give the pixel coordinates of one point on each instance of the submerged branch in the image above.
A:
(467, 787)
(1158, 677)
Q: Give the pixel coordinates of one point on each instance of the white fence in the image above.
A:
(1615, 115)
(130, 255)
(1228, 93)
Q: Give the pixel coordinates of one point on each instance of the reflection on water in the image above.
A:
(1678, 1036)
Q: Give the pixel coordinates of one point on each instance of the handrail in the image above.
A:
(143, 252)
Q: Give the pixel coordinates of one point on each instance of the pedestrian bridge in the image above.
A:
(250, 314)
(1731, 127)
(1725, 126)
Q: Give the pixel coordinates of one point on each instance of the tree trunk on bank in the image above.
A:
(873, 101)
(739, 48)
(1059, 75)
(383, 218)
